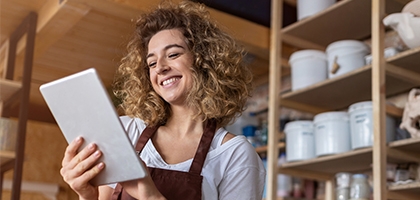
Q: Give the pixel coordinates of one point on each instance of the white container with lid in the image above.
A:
(345, 56)
(308, 67)
(361, 125)
(332, 133)
(306, 8)
(299, 140)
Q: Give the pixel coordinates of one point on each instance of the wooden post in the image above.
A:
(274, 98)
(378, 99)
(28, 27)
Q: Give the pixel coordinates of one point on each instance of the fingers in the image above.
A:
(80, 164)
(79, 182)
(78, 167)
(71, 150)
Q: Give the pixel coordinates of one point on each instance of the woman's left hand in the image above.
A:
(143, 188)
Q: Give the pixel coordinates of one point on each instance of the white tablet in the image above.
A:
(81, 106)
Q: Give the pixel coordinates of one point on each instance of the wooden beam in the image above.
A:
(255, 41)
(56, 19)
(378, 99)
(394, 111)
(255, 37)
(273, 96)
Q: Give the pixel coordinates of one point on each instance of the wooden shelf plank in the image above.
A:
(414, 186)
(404, 191)
(263, 149)
(324, 28)
(8, 89)
(6, 156)
(409, 60)
(412, 145)
(352, 161)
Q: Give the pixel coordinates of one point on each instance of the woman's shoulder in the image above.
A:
(133, 126)
(233, 145)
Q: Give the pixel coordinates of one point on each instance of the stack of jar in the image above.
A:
(353, 187)
(333, 132)
(311, 66)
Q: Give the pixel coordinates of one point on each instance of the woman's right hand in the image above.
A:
(78, 168)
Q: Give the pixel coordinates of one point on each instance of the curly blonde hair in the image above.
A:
(222, 83)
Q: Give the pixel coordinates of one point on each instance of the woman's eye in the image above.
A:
(152, 64)
(173, 55)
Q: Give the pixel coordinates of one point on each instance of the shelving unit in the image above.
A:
(13, 91)
(358, 20)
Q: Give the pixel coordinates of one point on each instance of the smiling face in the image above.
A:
(169, 61)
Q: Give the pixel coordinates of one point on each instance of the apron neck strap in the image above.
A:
(145, 136)
(202, 150)
(203, 147)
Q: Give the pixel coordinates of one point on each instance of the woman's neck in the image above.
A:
(182, 122)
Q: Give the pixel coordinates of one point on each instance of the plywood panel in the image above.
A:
(44, 150)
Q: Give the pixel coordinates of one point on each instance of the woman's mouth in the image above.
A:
(169, 81)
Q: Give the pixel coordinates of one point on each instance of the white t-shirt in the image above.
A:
(231, 171)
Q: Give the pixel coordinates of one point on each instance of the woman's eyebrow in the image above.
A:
(166, 48)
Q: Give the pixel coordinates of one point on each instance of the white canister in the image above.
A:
(345, 56)
(308, 67)
(306, 8)
(300, 144)
(332, 133)
(361, 125)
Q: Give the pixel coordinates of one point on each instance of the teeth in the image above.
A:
(171, 80)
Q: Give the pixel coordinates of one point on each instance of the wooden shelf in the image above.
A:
(413, 188)
(408, 59)
(402, 151)
(411, 144)
(356, 160)
(8, 89)
(352, 161)
(355, 86)
(6, 156)
(324, 28)
(263, 149)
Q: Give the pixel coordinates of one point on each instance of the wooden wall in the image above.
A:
(44, 150)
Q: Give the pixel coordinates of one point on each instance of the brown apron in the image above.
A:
(176, 185)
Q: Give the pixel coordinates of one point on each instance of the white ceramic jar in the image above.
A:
(307, 68)
(361, 125)
(300, 144)
(332, 133)
(345, 56)
(306, 8)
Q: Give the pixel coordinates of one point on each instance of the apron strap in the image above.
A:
(145, 136)
(203, 147)
(202, 150)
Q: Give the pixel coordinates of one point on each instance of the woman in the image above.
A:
(180, 83)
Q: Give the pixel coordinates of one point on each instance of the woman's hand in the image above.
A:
(143, 188)
(78, 168)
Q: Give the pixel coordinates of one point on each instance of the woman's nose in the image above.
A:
(162, 67)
